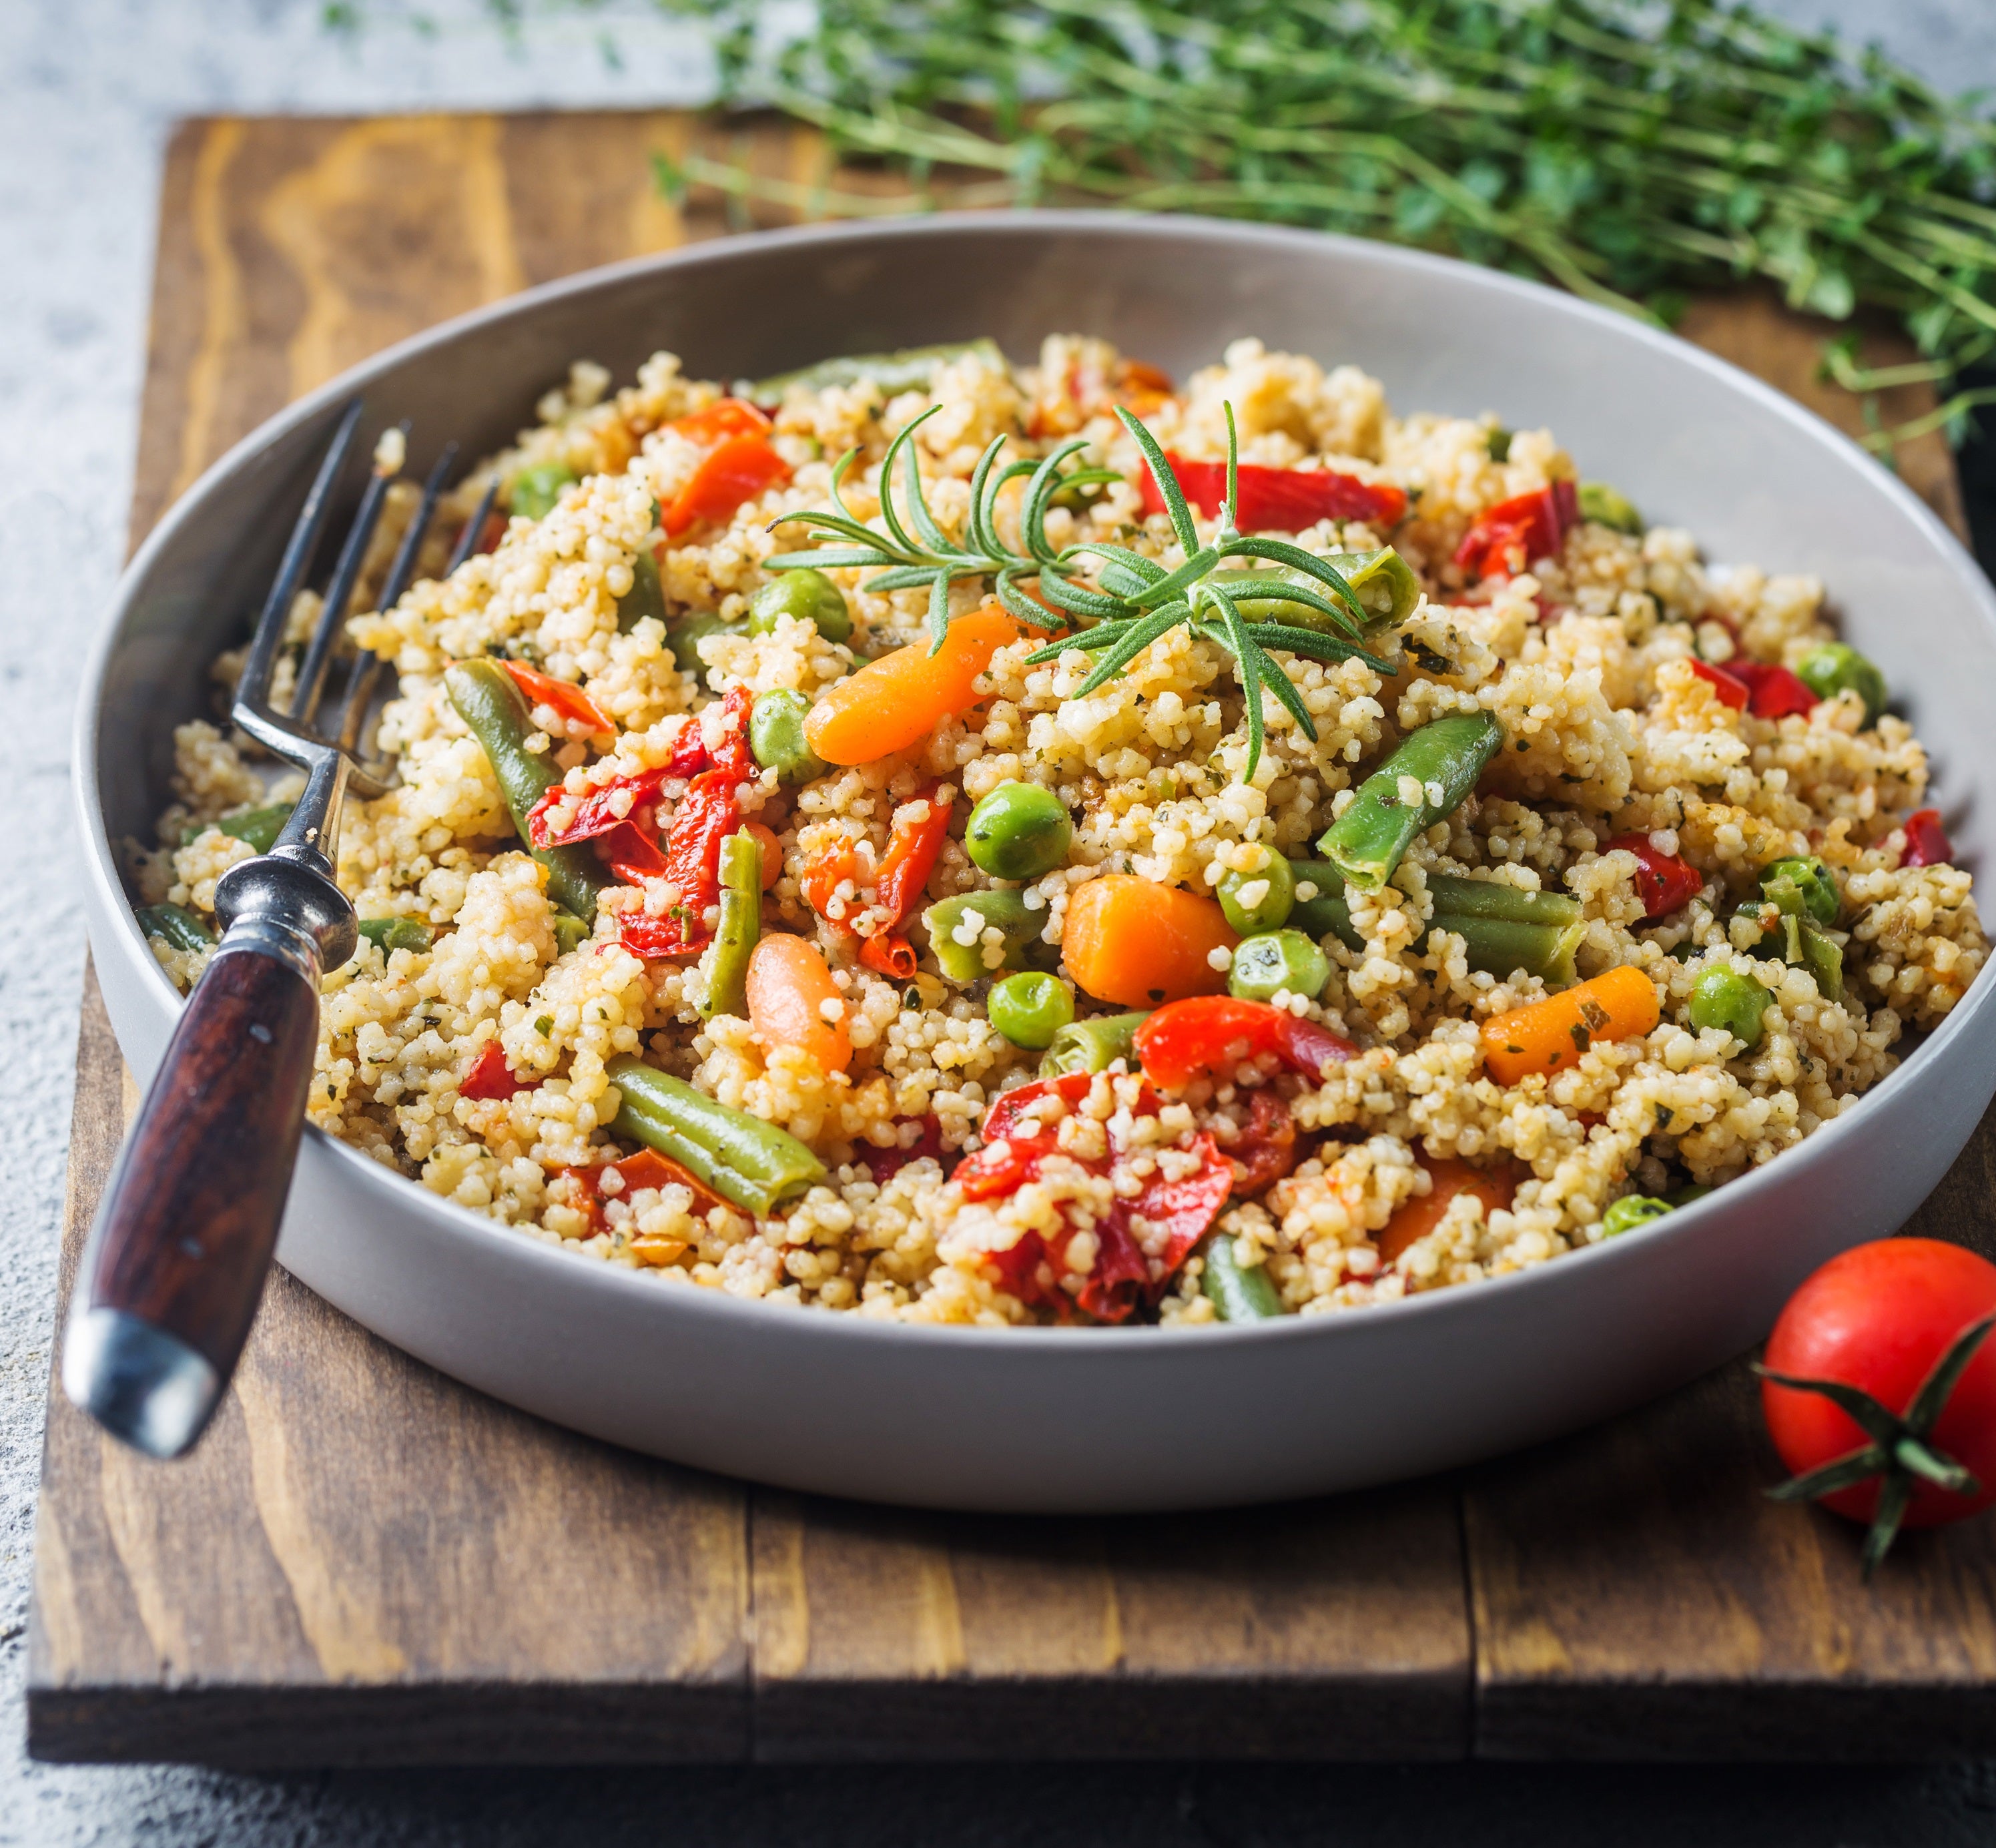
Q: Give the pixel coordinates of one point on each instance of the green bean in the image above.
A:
(1815, 891)
(1327, 912)
(1092, 1045)
(1497, 444)
(805, 596)
(1261, 901)
(749, 1162)
(570, 932)
(1030, 1008)
(1724, 998)
(257, 828)
(1684, 1196)
(533, 492)
(684, 638)
(1239, 1292)
(894, 372)
(776, 739)
(1018, 831)
(1600, 504)
(1448, 755)
(1499, 946)
(1632, 1209)
(727, 958)
(180, 926)
(1504, 928)
(388, 934)
(998, 910)
(646, 596)
(1794, 935)
(496, 712)
(1834, 667)
(1277, 962)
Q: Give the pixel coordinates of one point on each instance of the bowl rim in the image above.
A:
(393, 1193)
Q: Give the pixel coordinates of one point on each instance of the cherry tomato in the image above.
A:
(1880, 1318)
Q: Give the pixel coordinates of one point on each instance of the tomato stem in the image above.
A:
(1901, 1453)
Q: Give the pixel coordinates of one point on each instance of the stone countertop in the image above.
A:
(87, 91)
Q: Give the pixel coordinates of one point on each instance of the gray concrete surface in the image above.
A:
(87, 89)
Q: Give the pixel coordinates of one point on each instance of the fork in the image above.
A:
(176, 1262)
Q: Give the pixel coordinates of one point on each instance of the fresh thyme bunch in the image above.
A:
(1138, 599)
(1628, 149)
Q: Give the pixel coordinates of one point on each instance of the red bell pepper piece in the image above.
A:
(1184, 1039)
(564, 696)
(724, 417)
(707, 814)
(1514, 532)
(597, 813)
(1664, 882)
(1280, 500)
(490, 1076)
(1267, 1147)
(1927, 844)
(885, 1163)
(646, 1169)
(1773, 692)
(1731, 690)
(898, 883)
(735, 471)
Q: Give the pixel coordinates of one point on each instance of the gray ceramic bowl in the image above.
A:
(1096, 1420)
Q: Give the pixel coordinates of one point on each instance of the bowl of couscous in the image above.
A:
(1001, 824)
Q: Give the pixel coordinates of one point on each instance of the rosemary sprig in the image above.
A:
(1135, 600)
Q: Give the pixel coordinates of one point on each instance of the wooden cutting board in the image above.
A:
(365, 1562)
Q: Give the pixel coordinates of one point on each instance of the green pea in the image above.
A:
(1833, 667)
(1816, 889)
(534, 491)
(1030, 1008)
(1632, 1210)
(1264, 966)
(1723, 997)
(776, 737)
(1600, 504)
(684, 638)
(1018, 831)
(1260, 901)
(809, 597)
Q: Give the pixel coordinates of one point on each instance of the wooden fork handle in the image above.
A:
(176, 1263)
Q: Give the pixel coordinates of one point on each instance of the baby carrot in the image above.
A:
(1548, 1034)
(898, 700)
(1416, 1218)
(772, 850)
(789, 985)
(1139, 944)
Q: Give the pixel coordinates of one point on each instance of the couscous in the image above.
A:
(942, 839)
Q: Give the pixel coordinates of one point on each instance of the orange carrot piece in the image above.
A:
(788, 986)
(1416, 1218)
(772, 850)
(1140, 944)
(1548, 1035)
(898, 700)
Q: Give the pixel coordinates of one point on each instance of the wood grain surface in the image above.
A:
(365, 1562)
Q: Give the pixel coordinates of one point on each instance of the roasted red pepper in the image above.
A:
(1183, 1039)
(1731, 690)
(646, 1169)
(1514, 532)
(1280, 500)
(1120, 1278)
(723, 418)
(707, 814)
(490, 1077)
(1927, 844)
(734, 471)
(885, 1163)
(1267, 1147)
(1773, 692)
(564, 695)
(600, 812)
(897, 888)
(1664, 883)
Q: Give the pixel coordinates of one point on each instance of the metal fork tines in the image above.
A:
(329, 755)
